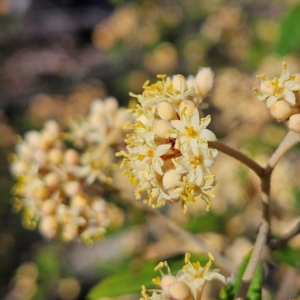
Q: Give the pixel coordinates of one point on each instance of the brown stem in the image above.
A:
(278, 243)
(287, 143)
(246, 160)
(264, 230)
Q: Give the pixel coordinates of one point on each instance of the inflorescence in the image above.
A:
(168, 156)
(54, 169)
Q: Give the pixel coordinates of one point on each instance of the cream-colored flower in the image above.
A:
(187, 284)
(167, 149)
(192, 133)
(282, 88)
(196, 276)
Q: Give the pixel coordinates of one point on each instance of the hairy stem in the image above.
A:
(246, 160)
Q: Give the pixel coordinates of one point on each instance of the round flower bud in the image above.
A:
(180, 290)
(281, 110)
(294, 123)
(97, 107)
(51, 180)
(72, 188)
(48, 227)
(49, 206)
(161, 128)
(24, 150)
(166, 111)
(79, 201)
(71, 157)
(189, 107)
(19, 168)
(170, 178)
(167, 281)
(204, 80)
(33, 138)
(55, 156)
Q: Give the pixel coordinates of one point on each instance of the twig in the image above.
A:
(264, 230)
(239, 156)
(287, 143)
(254, 260)
(278, 243)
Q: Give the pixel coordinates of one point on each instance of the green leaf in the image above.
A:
(230, 289)
(126, 281)
(289, 40)
(287, 255)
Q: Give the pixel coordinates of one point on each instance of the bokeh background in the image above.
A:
(56, 56)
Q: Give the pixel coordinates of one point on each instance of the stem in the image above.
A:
(246, 160)
(278, 243)
(286, 144)
(264, 230)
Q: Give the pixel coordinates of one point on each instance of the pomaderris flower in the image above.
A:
(167, 151)
(282, 95)
(53, 179)
(188, 284)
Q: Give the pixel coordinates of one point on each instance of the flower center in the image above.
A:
(191, 131)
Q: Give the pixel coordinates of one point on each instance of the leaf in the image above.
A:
(289, 40)
(230, 289)
(287, 255)
(126, 281)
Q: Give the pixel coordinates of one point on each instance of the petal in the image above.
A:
(208, 135)
(162, 149)
(290, 97)
(195, 147)
(262, 96)
(194, 120)
(205, 121)
(271, 100)
(177, 124)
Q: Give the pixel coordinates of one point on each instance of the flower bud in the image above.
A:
(19, 168)
(189, 107)
(167, 281)
(71, 188)
(180, 290)
(178, 82)
(49, 206)
(161, 128)
(51, 180)
(204, 81)
(52, 128)
(294, 123)
(33, 138)
(40, 157)
(111, 104)
(48, 227)
(280, 110)
(79, 201)
(55, 156)
(166, 111)
(170, 178)
(71, 157)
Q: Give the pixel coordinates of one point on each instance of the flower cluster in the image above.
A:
(188, 284)
(167, 152)
(53, 178)
(282, 96)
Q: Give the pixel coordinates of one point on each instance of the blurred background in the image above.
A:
(56, 56)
